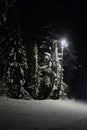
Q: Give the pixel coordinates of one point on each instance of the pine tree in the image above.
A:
(16, 70)
(46, 74)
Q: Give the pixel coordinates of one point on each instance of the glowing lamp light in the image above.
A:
(63, 43)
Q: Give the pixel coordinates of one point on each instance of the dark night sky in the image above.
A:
(70, 18)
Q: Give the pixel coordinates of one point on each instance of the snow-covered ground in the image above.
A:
(42, 115)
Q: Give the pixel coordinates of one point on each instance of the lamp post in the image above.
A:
(64, 44)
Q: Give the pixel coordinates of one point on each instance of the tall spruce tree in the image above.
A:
(16, 70)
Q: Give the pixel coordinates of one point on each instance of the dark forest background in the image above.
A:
(25, 23)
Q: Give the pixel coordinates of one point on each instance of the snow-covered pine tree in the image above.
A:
(46, 75)
(16, 70)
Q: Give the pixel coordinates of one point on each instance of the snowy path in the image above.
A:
(42, 115)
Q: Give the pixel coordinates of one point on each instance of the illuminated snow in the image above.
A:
(43, 114)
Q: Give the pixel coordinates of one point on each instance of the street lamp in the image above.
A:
(64, 44)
